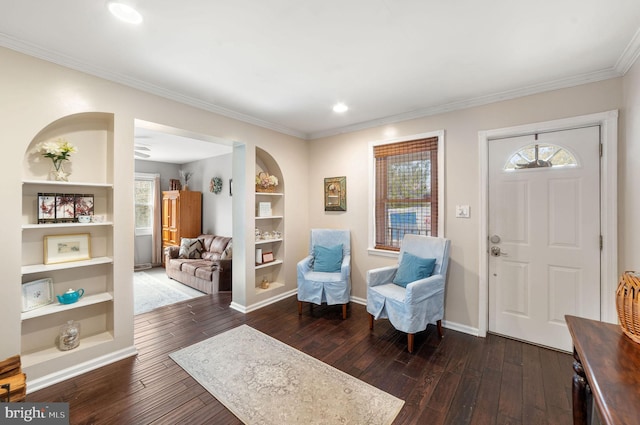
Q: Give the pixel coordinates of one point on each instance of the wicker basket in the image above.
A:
(628, 304)
(265, 189)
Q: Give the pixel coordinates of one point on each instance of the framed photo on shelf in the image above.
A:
(46, 208)
(267, 257)
(37, 294)
(65, 207)
(335, 193)
(66, 248)
(83, 205)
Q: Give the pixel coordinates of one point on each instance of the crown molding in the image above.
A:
(69, 62)
(624, 63)
(474, 102)
(629, 55)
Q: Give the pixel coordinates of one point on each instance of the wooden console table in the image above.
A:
(607, 371)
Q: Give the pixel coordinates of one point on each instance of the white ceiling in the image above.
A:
(153, 143)
(282, 64)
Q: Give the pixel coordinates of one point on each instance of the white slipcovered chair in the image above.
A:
(325, 274)
(411, 308)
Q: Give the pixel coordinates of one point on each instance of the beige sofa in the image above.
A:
(211, 273)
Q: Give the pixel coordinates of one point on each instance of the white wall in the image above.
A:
(217, 218)
(629, 174)
(336, 156)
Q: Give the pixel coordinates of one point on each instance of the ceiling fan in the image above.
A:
(141, 151)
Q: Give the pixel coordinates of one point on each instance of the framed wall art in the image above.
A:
(335, 194)
(66, 248)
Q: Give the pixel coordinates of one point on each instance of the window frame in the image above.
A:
(440, 134)
(144, 231)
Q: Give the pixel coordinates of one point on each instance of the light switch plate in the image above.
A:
(462, 211)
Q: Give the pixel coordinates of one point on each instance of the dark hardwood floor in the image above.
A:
(458, 380)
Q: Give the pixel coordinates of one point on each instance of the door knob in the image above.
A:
(496, 252)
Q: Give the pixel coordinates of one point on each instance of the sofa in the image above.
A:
(203, 263)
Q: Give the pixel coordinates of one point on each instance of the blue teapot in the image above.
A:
(70, 296)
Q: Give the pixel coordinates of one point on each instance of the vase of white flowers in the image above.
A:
(58, 151)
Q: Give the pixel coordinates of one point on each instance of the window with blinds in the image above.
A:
(406, 191)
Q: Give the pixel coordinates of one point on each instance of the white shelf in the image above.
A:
(37, 268)
(56, 183)
(268, 194)
(272, 286)
(269, 217)
(41, 356)
(269, 264)
(58, 225)
(263, 241)
(57, 308)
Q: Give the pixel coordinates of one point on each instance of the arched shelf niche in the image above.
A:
(91, 133)
(90, 182)
(270, 227)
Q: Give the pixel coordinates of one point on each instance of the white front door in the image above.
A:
(544, 234)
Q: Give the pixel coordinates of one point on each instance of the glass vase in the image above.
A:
(58, 173)
(69, 336)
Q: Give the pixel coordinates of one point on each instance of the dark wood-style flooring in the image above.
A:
(458, 380)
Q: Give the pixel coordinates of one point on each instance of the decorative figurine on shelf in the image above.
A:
(70, 296)
(69, 336)
(264, 284)
(58, 151)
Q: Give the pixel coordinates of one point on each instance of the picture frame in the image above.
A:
(335, 193)
(264, 209)
(65, 207)
(46, 208)
(267, 257)
(67, 248)
(37, 294)
(83, 205)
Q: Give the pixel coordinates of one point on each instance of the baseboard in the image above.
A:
(79, 369)
(264, 303)
(460, 328)
(358, 300)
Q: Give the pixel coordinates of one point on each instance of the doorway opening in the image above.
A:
(168, 159)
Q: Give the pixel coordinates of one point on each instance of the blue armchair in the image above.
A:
(325, 274)
(410, 308)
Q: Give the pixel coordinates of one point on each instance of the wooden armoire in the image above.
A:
(181, 216)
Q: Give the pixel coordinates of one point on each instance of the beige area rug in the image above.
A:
(264, 381)
(150, 293)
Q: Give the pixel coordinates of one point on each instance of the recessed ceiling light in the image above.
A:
(340, 107)
(124, 12)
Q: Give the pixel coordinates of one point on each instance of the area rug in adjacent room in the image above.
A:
(264, 381)
(150, 293)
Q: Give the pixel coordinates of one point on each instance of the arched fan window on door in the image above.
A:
(541, 156)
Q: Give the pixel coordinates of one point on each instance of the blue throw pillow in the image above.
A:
(327, 258)
(413, 268)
